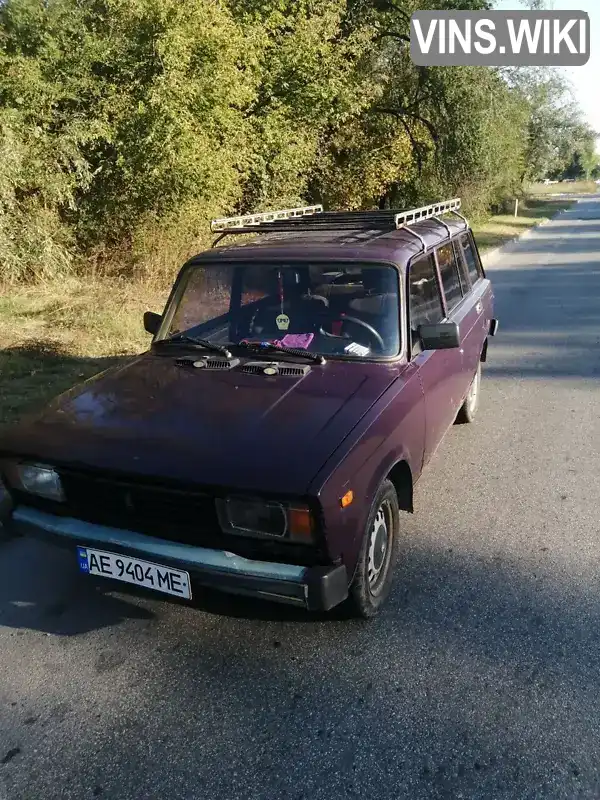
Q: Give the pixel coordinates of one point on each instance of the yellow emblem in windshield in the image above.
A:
(283, 322)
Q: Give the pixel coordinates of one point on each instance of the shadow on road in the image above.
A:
(49, 595)
(54, 598)
(345, 707)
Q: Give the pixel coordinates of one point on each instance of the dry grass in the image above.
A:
(500, 229)
(57, 334)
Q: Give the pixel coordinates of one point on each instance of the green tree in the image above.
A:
(554, 126)
(428, 131)
(124, 113)
(308, 84)
(126, 124)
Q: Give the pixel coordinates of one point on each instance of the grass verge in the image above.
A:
(566, 187)
(58, 334)
(498, 230)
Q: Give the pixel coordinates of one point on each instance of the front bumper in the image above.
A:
(314, 588)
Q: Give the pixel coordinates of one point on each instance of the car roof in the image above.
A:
(376, 243)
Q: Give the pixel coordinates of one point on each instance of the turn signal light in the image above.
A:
(347, 499)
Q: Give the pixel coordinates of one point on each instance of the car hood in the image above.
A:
(153, 418)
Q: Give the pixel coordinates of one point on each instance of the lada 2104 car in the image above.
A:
(296, 386)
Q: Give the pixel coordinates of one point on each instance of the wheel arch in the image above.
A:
(483, 358)
(401, 477)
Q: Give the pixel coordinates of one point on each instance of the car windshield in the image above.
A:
(349, 310)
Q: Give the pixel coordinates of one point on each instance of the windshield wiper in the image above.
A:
(196, 342)
(267, 347)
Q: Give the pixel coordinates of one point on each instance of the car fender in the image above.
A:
(392, 432)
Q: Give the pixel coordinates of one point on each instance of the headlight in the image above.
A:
(251, 517)
(42, 481)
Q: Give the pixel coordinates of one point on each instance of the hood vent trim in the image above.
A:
(271, 369)
(211, 363)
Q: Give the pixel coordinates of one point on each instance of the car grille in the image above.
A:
(171, 514)
(174, 515)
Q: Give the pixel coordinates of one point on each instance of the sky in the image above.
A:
(586, 79)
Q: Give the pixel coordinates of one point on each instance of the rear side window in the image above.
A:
(469, 256)
(449, 274)
(425, 300)
(462, 268)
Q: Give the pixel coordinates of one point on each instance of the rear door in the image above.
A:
(464, 308)
(480, 305)
(456, 298)
(437, 368)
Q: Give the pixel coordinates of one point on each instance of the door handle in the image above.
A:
(479, 307)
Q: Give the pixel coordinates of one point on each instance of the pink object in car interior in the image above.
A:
(299, 340)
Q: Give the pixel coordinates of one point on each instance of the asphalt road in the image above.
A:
(480, 680)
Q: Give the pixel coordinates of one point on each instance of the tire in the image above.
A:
(468, 410)
(375, 569)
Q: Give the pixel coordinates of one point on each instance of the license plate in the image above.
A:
(135, 571)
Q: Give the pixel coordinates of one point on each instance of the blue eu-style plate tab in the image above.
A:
(83, 559)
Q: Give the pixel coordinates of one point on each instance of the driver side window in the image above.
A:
(425, 297)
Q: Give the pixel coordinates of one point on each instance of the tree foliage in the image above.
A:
(126, 124)
(556, 135)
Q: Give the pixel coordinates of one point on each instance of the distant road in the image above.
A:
(482, 678)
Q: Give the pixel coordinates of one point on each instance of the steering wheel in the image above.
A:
(375, 336)
(346, 278)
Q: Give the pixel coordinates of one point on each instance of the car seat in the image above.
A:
(379, 303)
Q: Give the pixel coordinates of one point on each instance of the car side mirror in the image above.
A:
(152, 322)
(441, 336)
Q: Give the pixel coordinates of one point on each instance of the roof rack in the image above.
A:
(313, 217)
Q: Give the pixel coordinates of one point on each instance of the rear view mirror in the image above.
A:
(441, 336)
(152, 322)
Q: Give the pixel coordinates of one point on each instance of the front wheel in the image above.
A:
(374, 572)
(468, 410)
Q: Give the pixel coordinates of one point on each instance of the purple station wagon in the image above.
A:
(297, 383)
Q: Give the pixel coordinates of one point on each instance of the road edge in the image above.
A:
(489, 255)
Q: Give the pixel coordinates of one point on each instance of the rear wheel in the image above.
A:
(374, 573)
(468, 410)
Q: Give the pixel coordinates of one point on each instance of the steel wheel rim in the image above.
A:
(379, 547)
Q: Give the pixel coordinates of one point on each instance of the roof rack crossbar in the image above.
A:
(414, 233)
(220, 238)
(225, 223)
(464, 219)
(441, 221)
